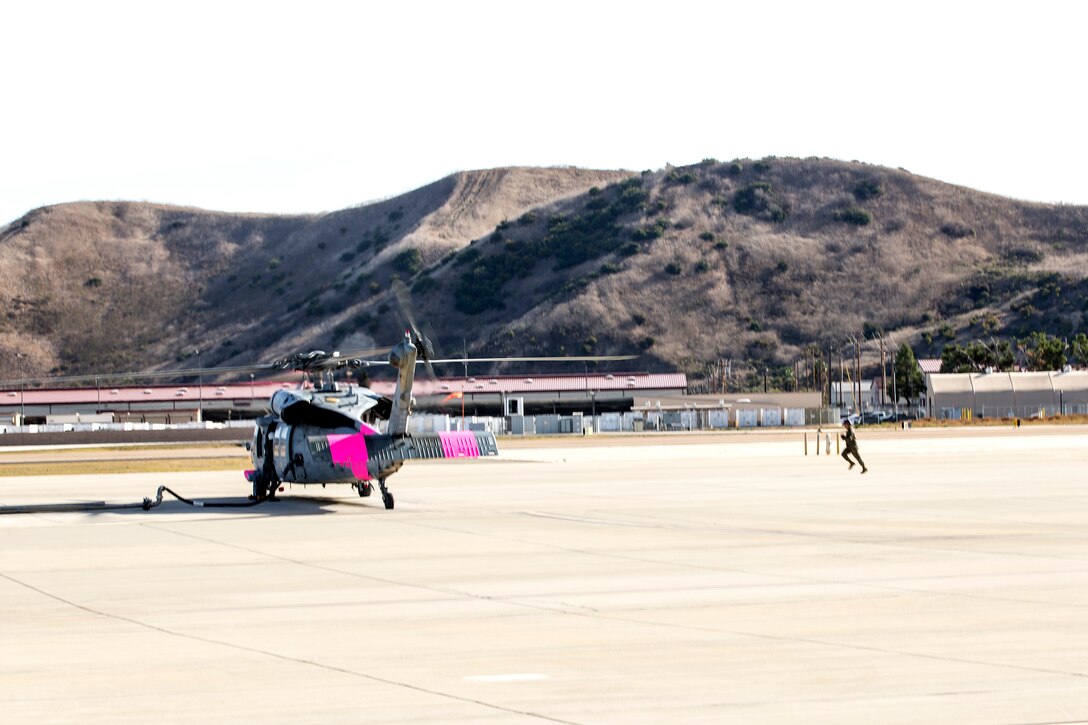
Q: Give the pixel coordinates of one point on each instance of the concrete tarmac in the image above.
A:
(725, 579)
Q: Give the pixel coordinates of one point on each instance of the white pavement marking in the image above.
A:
(513, 677)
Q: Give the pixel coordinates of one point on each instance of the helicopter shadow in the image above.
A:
(235, 507)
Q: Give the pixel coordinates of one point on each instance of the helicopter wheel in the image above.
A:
(364, 488)
(387, 498)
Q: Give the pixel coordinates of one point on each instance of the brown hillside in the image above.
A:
(97, 287)
(829, 251)
(748, 261)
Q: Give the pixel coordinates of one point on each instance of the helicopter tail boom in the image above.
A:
(368, 456)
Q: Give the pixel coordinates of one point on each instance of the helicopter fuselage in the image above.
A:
(307, 454)
(328, 435)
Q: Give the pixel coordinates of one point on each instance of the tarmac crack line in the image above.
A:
(878, 585)
(449, 591)
(631, 620)
(276, 655)
(588, 612)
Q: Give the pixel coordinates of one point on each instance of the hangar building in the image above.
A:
(1007, 394)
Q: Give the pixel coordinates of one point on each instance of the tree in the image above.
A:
(908, 380)
(956, 359)
(1044, 352)
(1080, 349)
(1002, 355)
(976, 357)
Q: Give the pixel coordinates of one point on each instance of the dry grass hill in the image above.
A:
(750, 261)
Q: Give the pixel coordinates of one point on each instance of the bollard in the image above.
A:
(806, 444)
(819, 432)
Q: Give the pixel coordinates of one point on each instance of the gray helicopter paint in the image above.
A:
(402, 357)
(303, 454)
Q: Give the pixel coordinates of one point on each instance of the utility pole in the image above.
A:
(200, 389)
(842, 379)
(829, 375)
(883, 373)
(895, 390)
(857, 375)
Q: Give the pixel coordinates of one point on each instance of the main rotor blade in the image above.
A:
(176, 373)
(571, 358)
(139, 375)
(400, 291)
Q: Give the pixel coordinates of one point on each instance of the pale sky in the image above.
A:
(289, 107)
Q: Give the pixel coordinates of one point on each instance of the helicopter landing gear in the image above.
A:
(264, 487)
(364, 488)
(387, 498)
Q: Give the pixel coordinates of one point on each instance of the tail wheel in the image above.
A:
(387, 498)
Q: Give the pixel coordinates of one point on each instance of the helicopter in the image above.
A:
(328, 432)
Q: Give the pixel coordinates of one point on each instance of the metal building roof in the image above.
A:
(506, 385)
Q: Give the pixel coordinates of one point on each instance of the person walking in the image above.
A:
(851, 446)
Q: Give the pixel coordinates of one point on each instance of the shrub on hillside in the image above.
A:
(760, 200)
(424, 284)
(1022, 256)
(650, 231)
(468, 256)
(955, 230)
(675, 177)
(853, 215)
(867, 189)
(410, 261)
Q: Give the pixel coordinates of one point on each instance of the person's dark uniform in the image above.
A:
(851, 446)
